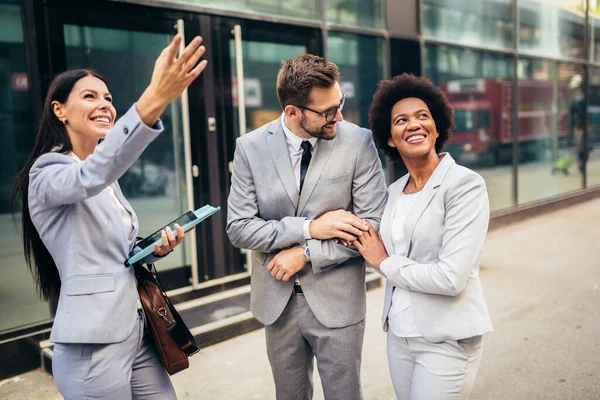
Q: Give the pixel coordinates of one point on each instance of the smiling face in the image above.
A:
(88, 112)
(413, 131)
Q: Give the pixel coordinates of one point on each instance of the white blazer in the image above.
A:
(446, 229)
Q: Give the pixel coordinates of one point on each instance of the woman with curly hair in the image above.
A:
(431, 238)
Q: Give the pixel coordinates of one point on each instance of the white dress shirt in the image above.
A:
(401, 318)
(294, 144)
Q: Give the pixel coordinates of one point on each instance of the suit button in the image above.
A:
(125, 130)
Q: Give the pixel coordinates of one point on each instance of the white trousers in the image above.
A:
(422, 370)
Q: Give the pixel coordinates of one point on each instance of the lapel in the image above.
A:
(426, 196)
(128, 208)
(281, 158)
(319, 159)
(388, 214)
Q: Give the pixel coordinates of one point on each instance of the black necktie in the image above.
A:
(306, 156)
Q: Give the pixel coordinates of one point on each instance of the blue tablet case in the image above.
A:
(202, 213)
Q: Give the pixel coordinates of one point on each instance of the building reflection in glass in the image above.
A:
(552, 28)
(487, 23)
(550, 130)
(479, 88)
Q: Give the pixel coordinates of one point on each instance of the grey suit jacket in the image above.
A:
(82, 228)
(266, 214)
(447, 228)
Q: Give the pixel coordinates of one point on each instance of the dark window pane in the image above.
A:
(464, 121)
(261, 65)
(479, 88)
(307, 9)
(21, 304)
(475, 22)
(358, 78)
(483, 118)
(367, 13)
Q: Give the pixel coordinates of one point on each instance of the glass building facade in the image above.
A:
(523, 77)
(520, 78)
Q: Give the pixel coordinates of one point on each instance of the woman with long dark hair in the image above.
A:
(78, 228)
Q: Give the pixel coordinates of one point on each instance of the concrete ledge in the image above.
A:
(509, 216)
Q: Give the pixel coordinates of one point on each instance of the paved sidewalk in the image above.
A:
(541, 279)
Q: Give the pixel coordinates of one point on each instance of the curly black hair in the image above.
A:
(391, 91)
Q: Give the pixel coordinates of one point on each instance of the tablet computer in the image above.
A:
(187, 221)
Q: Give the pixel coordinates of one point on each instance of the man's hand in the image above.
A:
(286, 263)
(339, 224)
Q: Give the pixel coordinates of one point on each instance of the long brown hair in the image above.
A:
(51, 134)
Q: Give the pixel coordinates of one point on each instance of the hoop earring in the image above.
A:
(64, 121)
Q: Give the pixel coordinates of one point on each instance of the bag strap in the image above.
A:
(179, 331)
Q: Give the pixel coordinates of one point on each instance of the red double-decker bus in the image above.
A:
(483, 115)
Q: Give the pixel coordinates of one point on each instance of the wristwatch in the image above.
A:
(307, 253)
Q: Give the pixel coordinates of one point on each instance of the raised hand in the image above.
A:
(171, 76)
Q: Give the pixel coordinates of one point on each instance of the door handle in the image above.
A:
(239, 72)
(241, 95)
(189, 170)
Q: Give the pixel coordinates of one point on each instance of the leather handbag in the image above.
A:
(172, 340)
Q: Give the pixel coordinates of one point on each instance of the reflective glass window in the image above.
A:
(155, 184)
(552, 28)
(550, 128)
(262, 61)
(361, 60)
(479, 89)
(475, 22)
(593, 162)
(367, 13)
(594, 21)
(20, 302)
(359, 77)
(305, 9)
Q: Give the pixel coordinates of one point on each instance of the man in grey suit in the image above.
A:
(301, 186)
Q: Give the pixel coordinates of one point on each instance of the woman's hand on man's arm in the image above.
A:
(371, 247)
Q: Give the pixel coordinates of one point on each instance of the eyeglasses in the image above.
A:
(330, 113)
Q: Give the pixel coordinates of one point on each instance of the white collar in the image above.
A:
(70, 154)
(293, 139)
(73, 156)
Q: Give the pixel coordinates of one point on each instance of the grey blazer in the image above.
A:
(447, 228)
(266, 214)
(82, 228)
